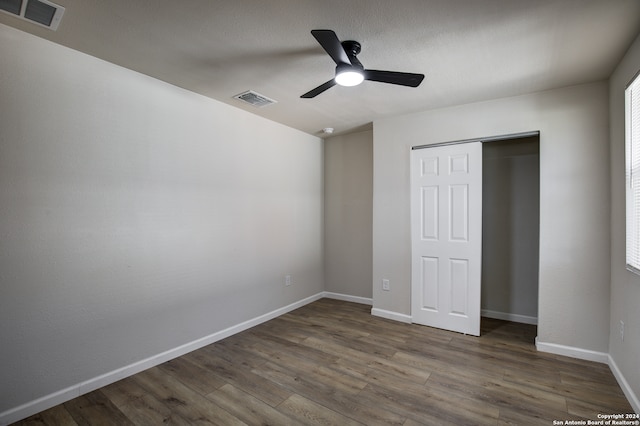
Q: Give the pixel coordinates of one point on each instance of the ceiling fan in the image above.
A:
(349, 70)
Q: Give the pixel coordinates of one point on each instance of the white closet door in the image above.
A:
(446, 228)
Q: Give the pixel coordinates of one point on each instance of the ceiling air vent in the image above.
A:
(41, 12)
(253, 98)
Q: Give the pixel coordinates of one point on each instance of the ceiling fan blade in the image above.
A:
(330, 43)
(394, 77)
(315, 92)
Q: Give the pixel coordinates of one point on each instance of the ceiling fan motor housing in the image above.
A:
(351, 47)
(340, 68)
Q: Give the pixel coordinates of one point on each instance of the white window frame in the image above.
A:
(632, 173)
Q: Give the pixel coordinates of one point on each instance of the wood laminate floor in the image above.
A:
(332, 363)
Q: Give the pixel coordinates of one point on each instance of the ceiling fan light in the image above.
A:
(349, 78)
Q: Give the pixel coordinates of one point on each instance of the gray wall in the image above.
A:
(510, 225)
(625, 286)
(136, 217)
(574, 271)
(348, 198)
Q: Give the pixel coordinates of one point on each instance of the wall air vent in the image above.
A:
(40, 12)
(255, 99)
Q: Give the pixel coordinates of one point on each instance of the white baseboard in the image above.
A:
(391, 315)
(570, 351)
(348, 298)
(601, 357)
(51, 400)
(624, 385)
(509, 317)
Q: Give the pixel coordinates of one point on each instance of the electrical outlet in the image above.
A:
(385, 285)
(287, 280)
(622, 331)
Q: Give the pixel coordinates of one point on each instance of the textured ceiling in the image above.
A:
(469, 50)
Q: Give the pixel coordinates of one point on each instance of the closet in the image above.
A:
(510, 229)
